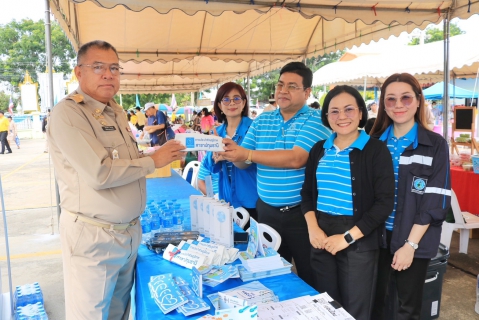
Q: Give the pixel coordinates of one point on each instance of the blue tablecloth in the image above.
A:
(150, 264)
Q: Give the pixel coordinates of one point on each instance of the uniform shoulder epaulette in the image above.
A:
(76, 97)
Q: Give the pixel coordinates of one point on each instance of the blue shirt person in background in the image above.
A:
(347, 195)
(157, 122)
(279, 143)
(202, 173)
(423, 195)
(236, 186)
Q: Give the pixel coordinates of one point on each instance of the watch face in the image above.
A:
(348, 238)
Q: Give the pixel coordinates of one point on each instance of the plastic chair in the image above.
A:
(195, 167)
(464, 222)
(240, 217)
(266, 233)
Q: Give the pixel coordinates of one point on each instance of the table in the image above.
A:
(149, 264)
(466, 186)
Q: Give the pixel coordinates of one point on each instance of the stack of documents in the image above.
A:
(250, 294)
(247, 275)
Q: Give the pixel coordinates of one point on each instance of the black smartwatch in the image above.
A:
(349, 238)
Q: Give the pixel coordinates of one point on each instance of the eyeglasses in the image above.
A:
(100, 68)
(391, 102)
(349, 112)
(226, 101)
(289, 87)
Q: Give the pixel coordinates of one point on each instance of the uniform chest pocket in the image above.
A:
(419, 176)
(111, 140)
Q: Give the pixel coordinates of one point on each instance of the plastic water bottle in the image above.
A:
(178, 218)
(155, 221)
(28, 294)
(167, 221)
(477, 296)
(34, 311)
(145, 228)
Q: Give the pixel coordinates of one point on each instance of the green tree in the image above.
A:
(4, 101)
(129, 100)
(437, 34)
(22, 48)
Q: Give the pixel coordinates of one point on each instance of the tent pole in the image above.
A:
(364, 89)
(445, 97)
(249, 87)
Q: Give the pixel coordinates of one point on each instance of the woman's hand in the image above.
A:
(403, 258)
(335, 243)
(217, 157)
(317, 237)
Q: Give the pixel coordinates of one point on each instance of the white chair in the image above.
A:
(195, 166)
(267, 233)
(464, 222)
(241, 216)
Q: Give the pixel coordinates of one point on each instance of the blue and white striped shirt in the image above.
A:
(396, 147)
(281, 186)
(333, 176)
(203, 172)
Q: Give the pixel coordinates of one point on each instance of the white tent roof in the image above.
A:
(426, 62)
(238, 30)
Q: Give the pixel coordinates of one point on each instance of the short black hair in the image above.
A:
(300, 69)
(2, 112)
(100, 44)
(315, 105)
(351, 91)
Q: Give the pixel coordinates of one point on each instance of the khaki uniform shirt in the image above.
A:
(141, 118)
(84, 135)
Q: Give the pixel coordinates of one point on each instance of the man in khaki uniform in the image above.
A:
(101, 177)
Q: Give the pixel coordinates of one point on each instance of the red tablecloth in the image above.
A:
(466, 186)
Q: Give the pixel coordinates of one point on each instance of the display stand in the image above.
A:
(464, 121)
(6, 302)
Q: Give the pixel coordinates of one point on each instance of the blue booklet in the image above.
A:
(194, 305)
(166, 293)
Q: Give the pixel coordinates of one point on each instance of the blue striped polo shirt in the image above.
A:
(396, 147)
(333, 176)
(281, 187)
(203, 172)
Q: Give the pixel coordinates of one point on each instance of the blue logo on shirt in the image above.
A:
(190, 142)
(418, 185)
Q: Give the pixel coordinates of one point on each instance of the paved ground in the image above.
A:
(35, 247)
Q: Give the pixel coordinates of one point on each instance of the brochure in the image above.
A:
(166, 293)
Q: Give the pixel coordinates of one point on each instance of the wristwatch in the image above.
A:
(250, 154)
(349, 238)
(412, 244)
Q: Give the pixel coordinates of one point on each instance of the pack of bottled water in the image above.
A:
(28, 300)
(33, 311)
(28, 294)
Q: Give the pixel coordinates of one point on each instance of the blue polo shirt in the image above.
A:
(333, 176)
(203, 172)
(157, 119)
(396, 147)
(281, 187)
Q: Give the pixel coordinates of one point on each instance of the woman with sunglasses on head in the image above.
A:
(347, 195)
(236, 186)
(422, 195)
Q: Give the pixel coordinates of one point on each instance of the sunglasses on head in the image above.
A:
(406, 100)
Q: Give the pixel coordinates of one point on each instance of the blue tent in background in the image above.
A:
(436, 92)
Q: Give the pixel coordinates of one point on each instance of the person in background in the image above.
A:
(44, 129)
(133, 118)
(315, 105)
(4, 125)
(422, 195)
(141, 119)
(347, 195)
(372, 110)
(272, 104)
(197, 121)
(253, 114)
(236, 186)
(99, 171)
(279, 143)
(12, 136)
(157, 123)
(207, 121)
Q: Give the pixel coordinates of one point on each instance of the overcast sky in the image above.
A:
(35, 9)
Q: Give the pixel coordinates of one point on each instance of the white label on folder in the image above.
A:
(198, 141)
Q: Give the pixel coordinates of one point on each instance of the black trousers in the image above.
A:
(408, 291)
(349, 277)
(291, 225)
(4, 141)
(253, 214)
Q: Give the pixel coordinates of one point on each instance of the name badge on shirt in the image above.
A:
(108, 128)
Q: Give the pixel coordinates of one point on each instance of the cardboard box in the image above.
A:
(164, 172)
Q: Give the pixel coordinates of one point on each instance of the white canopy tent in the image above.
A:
(268, 32)
(425, 62)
